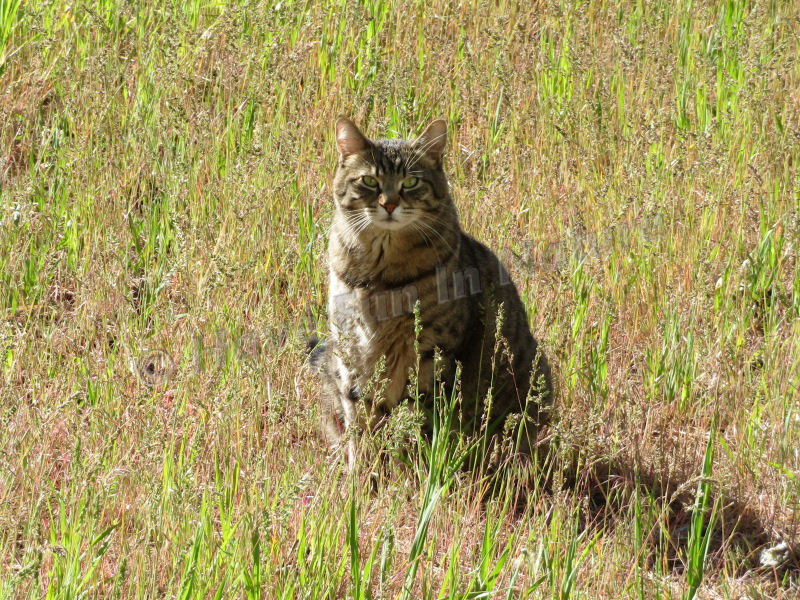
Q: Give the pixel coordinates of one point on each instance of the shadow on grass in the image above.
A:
(662, 508)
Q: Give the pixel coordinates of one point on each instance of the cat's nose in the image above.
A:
(388, 203)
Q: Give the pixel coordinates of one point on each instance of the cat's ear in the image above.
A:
(433, 140)
(349, 138)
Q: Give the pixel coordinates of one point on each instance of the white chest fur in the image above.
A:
(364, 332)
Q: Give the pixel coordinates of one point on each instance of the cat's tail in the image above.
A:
(316, 353)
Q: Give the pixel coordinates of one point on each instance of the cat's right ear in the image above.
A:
(349, 139)
(433, 140)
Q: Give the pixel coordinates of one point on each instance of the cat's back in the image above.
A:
(483, 277)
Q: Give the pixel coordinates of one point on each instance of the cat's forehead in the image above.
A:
(393, 155)
(392, 152)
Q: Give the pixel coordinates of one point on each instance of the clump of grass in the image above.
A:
(702, 524)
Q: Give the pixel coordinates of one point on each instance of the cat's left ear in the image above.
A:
(433, 140)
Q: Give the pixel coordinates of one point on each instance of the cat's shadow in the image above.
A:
(607, 491)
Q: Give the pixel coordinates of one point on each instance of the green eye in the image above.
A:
(410, 182)
(369, 181)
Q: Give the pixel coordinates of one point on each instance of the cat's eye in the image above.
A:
(370, 181)
(410, 182)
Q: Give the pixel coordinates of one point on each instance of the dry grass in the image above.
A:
(164, 203)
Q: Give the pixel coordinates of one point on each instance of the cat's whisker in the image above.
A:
(436, 219)
(357, 223)
(421, 151)
(428, 240)
(416, 154)
(433, 230)
(363, 226)
(360, 227)
(415, 226)
(354, 222)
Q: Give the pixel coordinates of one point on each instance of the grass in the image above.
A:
(165, 200)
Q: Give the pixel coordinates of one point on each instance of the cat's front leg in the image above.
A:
(340, 394)
(435, 378)
(348, 395)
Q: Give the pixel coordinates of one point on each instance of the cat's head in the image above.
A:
(390, 184)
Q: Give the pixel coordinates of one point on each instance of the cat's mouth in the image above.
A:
(393, 221)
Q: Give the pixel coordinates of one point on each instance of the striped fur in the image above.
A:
(396, 240)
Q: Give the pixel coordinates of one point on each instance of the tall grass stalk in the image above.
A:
(702, 523)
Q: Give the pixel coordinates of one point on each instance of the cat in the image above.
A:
(396, 247)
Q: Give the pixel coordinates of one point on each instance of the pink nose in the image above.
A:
(389, 207)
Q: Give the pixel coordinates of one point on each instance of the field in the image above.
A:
(165, 199)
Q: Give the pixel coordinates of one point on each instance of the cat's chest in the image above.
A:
(375, 323)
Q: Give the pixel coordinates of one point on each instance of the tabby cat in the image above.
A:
(396, 241)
